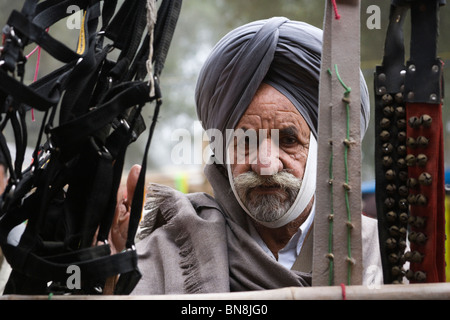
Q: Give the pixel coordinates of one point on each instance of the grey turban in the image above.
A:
(282, 53)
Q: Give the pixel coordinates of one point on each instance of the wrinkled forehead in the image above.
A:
(270, 109)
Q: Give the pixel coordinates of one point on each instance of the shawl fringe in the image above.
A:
(161, 206)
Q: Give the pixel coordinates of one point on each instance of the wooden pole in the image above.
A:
(337, 226)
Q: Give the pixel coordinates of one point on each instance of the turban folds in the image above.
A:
(282, 53)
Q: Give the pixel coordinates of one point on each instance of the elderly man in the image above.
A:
(261, 77)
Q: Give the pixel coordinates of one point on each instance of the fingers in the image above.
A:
(132, 179)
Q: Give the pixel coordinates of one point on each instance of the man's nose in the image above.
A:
(267, 161)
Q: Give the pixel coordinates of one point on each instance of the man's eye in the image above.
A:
(288, 141)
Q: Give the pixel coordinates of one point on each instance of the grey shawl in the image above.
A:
(196, 244)
(193, 243)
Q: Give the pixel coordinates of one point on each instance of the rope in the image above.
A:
(151, 21)
(337, 16)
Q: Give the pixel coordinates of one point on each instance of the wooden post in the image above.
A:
(337, 227)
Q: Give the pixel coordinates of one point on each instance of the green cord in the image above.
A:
(347, 201)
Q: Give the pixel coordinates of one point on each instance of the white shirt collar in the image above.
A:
(289, 253)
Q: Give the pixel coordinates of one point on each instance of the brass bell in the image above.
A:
(401, 124)
(412, 199)
(409, 274)
(385, 135)
(412, 236)
(420, 276)
(421, 160)
(391, 243)
(388, 111)
(389, 203)
(422, 142)
(411, 142)
(399, 97)
(385, 123)
(426, 120)
(402, 245)
(401, 163)
(419, 222)
(411, 183)
(396, 271)
(390, 174)
(391, 189)
(391, 216)
(421, 238)
(387, 98)
(387, 161)
(394, 231)
(403, 204)
(401, 136)
(403, 175)
(421, 200)
(400, 111)
(387, 148)
(401, 150)
(403, 191)
(414, 122)
(425, 179)
(410, 160)
(393, 258)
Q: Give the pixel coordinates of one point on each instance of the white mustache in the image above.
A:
(282, 179)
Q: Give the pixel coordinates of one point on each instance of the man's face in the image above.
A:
(269, 178)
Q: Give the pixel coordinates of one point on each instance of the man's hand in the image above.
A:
(119, 227)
